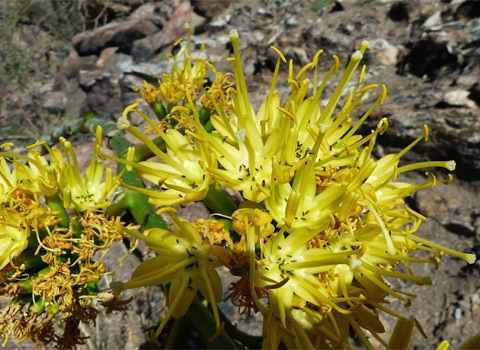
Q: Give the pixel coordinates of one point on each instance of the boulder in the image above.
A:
(119, 34)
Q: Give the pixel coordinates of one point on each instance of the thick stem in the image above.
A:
(55, 203)
(218, 201)
(249, 341)
(204, 323)
(177, 339)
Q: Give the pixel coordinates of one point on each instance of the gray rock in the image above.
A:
(384, 51)
(71, 71)
(218, 25)
(55, 102)
(120, 34)
(179, 15)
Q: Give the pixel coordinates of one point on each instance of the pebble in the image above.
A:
(218, 25)
(457, 314)
(384, 51)
(434, 22)
(459, 98)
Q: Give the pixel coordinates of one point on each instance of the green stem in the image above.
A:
(142, 152)
(218, 201)
(137, 204)
(55, 203)
(159, 109)
(204, 323)
(177, 339)
(249, 341)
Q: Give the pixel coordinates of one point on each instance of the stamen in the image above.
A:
(303, 70)
(279, 53)
(469, 258)
(450, 165)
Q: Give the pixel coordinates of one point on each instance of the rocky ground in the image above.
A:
(425, 51)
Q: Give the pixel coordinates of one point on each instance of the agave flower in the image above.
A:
(29, 172)
(185, 260)
(182, 176)
(57, 176)
(320, 284)
(250, 146)
(78, 191)
(191, 77)
(13, 236)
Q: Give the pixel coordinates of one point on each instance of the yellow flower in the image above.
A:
(13, 235)
(260, 152)
(186, 77)
(42, 177)
(250, 146)
(149, 92)
(90, 190)
(184, 259)
(215, 93)
(321, 282)
(191, 76)
(30, 172)
(171, 90)
(183, 175)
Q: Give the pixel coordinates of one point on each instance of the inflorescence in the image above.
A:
(321, 228)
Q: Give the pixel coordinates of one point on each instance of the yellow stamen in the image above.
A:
(303, 70)
(287, 113)
(279, 53)
(469, 258)
(384, 94)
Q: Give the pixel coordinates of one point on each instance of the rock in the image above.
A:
(153, 11)
(76, 99)
(87, 79)
(459, 98)
(468, 10)
(292, 21)
(399, 11)
(115, 63)
(384, 51)
(210, 9)
(475, 93)
(433, 22)
(120, 34)
(218, 25)
(461, 228)
(98, 96)
(107, 11)
(454, 134)
(173, 30)
(151, 71)
(72, 69)
(451, 206)
(146, 48)
(56, 102)
(130, 81)
(428, 57)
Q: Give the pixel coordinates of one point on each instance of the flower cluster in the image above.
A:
(52, 225)
(322, 223)
(320, 227)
